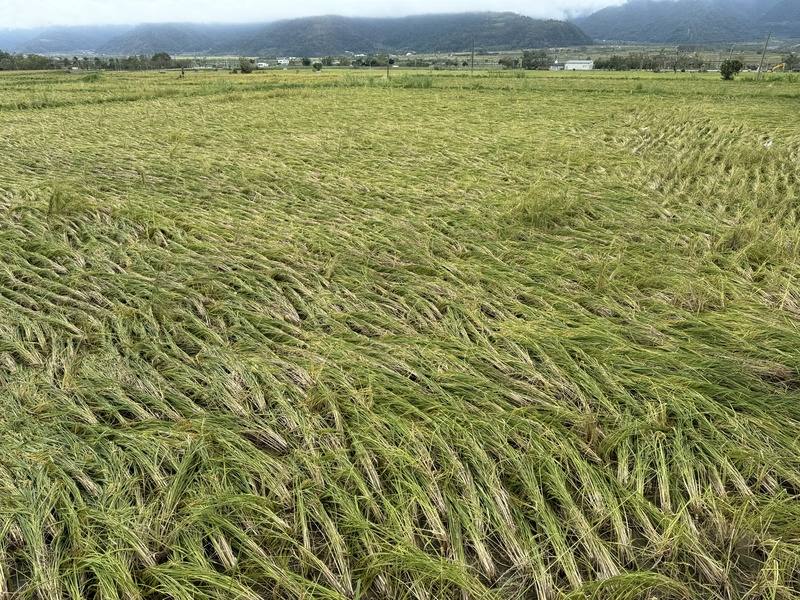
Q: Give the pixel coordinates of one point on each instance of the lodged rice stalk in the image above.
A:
(448, 337)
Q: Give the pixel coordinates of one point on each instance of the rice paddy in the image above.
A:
(293, 336)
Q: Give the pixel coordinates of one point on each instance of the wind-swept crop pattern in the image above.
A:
(286, 336)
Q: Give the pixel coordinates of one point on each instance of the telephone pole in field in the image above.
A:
(763, 56)
(472, 68)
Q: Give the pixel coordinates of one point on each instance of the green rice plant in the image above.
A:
(93, 77)
(422, 82)
(513, 338)
(60, 200)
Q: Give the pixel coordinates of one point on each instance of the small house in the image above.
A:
(579, 65)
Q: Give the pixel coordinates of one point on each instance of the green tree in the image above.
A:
(25, 62)
(246, 65)
(317, 66)
(535, 59)
(730, 68)
(507, 62)
(161, 59)
(306, 61)
(792, 61)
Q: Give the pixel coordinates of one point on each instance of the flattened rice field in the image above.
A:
(293, 336)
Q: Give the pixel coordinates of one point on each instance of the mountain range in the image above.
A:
(649, 21)
(312, 36)
(693, 21)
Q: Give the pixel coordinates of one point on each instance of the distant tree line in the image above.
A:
(36, 62)
(679, 61)
(19, 62)
(162, 60)
(531, 60)
(640, 61)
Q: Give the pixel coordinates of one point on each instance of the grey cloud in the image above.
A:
(31, 13)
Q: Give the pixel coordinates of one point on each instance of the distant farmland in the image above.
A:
(293, 336)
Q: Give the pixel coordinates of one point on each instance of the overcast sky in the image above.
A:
(34, 13)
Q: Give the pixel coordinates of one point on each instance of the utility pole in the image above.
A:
(472, 68)
(730, 55)
(764, 55)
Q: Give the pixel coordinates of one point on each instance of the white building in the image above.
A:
(579, 65)
(284, 62)
(262, 65)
